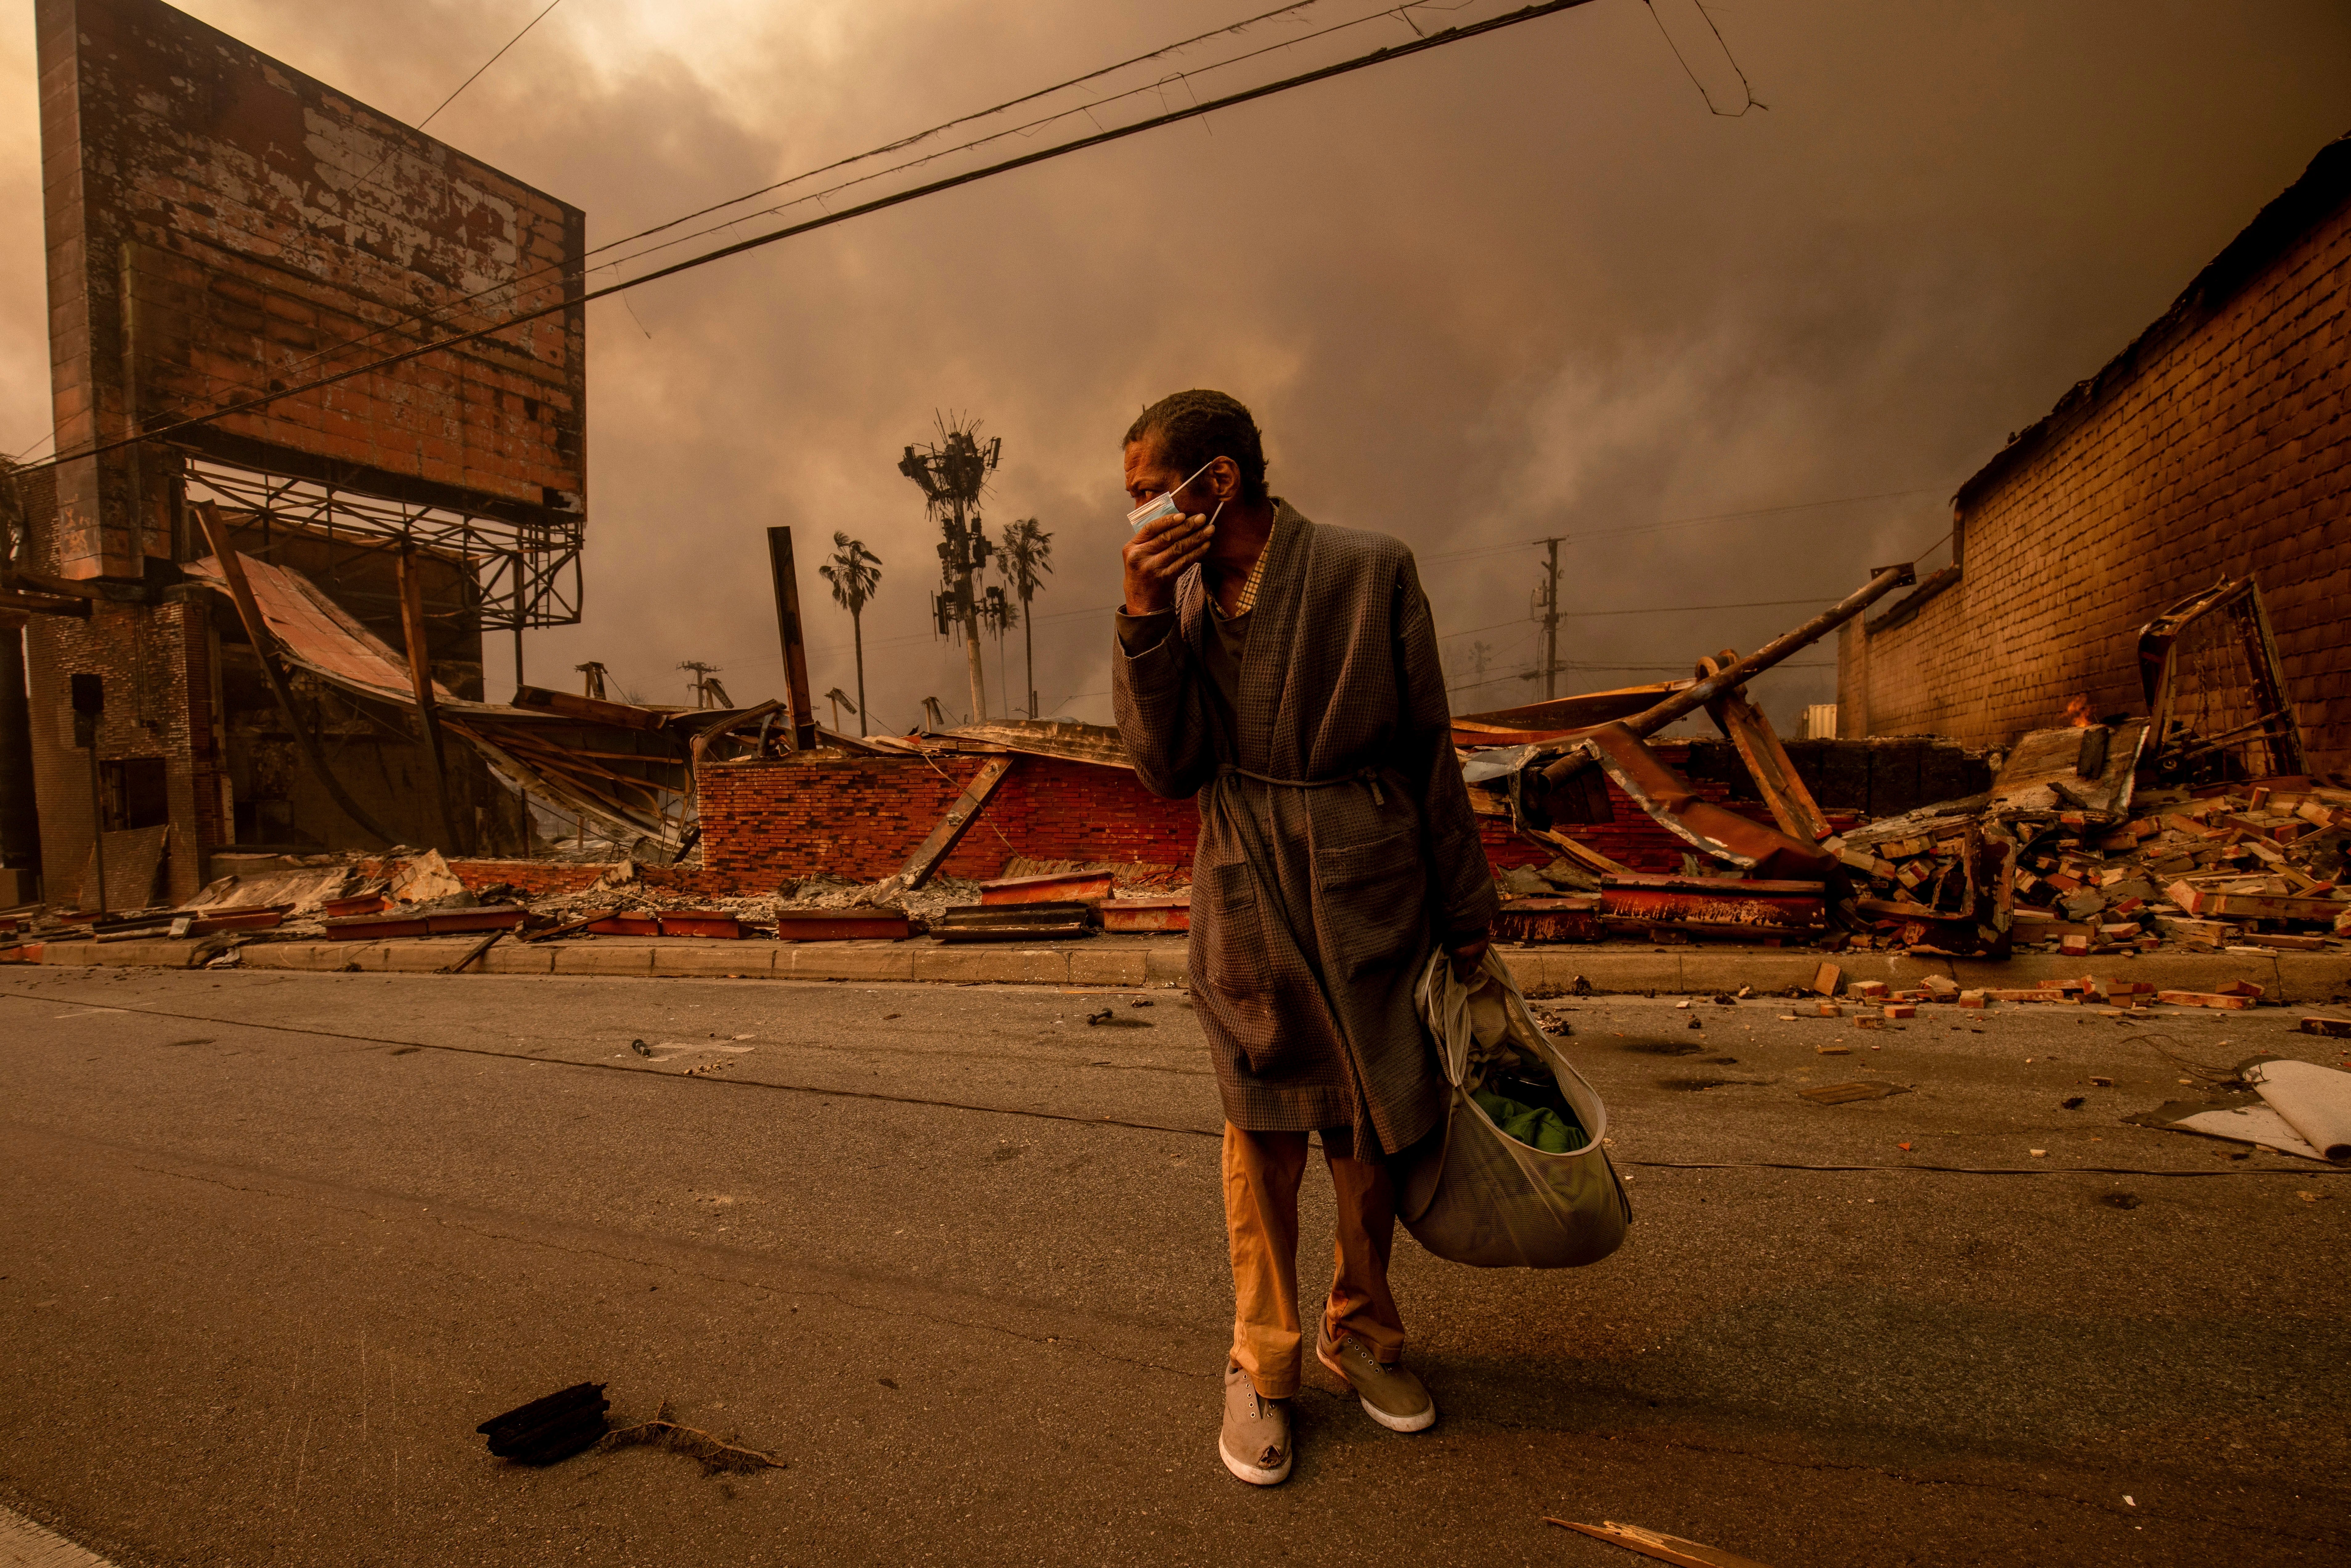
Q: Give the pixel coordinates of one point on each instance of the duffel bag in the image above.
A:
(1472, 1194)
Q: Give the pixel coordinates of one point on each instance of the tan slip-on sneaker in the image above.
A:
(1391, 1396)
(1255, 1443)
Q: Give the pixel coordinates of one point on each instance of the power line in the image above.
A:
(1746, 89)
(423, 317)
(1482, 551)
(494, 60)
(1158, 86)
(394, 152)
(371, 175)
(1442, 636)
(1652, 609)
(1117, 134)
(515, 284)
(1501, 625)
(921, 136)
(1684, 609)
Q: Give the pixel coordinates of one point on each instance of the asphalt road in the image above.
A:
(272, 1245)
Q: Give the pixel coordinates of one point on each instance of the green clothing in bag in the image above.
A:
(1537, 1127)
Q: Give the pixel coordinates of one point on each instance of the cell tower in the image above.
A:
(951, 475)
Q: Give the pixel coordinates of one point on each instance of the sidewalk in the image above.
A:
(2299, 978)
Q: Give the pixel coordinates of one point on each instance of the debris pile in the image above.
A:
(2258, 865)
(2197, 827)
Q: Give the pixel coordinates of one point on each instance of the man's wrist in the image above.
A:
(1138, 634)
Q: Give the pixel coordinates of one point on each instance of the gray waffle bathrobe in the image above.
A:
(1315, 900)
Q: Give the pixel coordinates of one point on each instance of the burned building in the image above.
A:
(2212, 449)
(222, 230)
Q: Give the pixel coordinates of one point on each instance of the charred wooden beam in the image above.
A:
(1719, 903)
(623, 715)
(419, 681)
(1883, 582)
(924, 863)
(787, 625)
(1013, 921)
(1776, 780)
(31, 601)
(1646, 722)
(1710, 828)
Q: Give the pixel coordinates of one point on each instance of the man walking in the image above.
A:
(1287, 673)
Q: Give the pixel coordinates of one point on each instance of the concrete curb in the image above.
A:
(2298, 979)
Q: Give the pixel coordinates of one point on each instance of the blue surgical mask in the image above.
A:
(1165, 506)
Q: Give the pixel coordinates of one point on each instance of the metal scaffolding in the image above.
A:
(526, 574)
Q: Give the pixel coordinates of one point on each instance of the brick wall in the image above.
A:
(2215, 446)
(860, 817)
(181, 685)
(151, 658)
(215, 218)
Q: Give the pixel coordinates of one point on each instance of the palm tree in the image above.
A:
(1027, 558)
(855, 575)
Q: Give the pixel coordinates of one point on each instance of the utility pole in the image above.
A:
(707, 692)
(951, 475)
(1546, 600)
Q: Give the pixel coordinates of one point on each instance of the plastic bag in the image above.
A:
(1472, 1194)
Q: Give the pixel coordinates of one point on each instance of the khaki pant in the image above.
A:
(1261, 1175)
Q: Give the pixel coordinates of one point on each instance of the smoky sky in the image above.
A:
(1526, 285)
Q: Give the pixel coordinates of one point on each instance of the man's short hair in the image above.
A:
(1195, 428)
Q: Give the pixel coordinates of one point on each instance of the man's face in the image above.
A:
(1149, 475)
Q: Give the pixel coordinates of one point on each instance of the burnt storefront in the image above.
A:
(223, 232)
